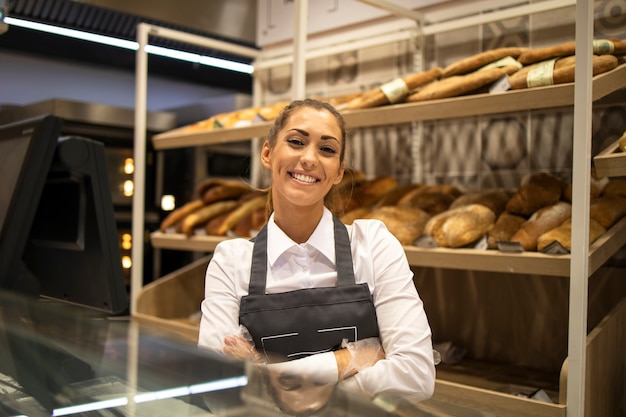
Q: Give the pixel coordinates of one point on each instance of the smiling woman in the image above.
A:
(322, 303)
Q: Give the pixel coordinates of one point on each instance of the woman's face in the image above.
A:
(305, 160)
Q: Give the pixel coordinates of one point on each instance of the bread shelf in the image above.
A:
(611, 162)
(478, 260)
(471, 105)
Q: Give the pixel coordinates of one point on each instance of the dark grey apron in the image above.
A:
(295, 324)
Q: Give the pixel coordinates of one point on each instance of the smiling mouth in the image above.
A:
(304, 178)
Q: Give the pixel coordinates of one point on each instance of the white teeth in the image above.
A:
(304, 178)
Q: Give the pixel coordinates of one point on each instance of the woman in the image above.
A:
(304, 152)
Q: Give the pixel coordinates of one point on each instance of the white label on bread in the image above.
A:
(507, 61)
(541, 74)
(500, 86)
(603, 47)
(395, 90)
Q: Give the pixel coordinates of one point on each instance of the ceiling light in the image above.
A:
(132, 45)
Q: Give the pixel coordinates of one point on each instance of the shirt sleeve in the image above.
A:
(220, 307)
(408, 370)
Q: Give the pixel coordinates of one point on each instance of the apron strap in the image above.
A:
(343, 255)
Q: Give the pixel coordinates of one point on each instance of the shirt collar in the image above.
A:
(322, 239)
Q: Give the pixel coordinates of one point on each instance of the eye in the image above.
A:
(295, 141)
(328, 150)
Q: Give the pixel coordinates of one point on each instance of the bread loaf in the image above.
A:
(615, 187)
(536, 191)
(540, 222)
(461, 226)
(405, 223)
(607, 210)
(494, 199)
(243, 210)
(507, 224)
(227, 191)
(179, 214)
(352, 215)
(557, 72)
(368, 192)
(563, 235)
(595, 188)
(480, 60)
(458, 85)
(600, 47)
(393, 92)
(204, 214)
(392, 197)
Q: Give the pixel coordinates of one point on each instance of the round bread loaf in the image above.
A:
(460, 226)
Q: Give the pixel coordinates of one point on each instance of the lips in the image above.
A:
(304, 178)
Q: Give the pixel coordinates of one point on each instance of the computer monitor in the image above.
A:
(58, 236)
(58, 240)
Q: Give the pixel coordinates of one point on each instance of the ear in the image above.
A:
(340, 173)
(265, 155)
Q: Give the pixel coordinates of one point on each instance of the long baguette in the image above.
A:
(377, 97)
(563, 71)
(206, 213)
(229, 191)
(240, 212)
(180, 213)
(459, 84)
(601, 46)
(479, 60)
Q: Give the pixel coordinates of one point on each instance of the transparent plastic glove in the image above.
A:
(241, 346)
(364, 354)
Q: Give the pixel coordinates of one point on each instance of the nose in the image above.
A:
(308, 159)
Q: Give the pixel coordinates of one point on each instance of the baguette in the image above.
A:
(563, 234)
(460, 226)
(480, 60)
(240, 212)
(179, 214)
(394, 91)
(226, 191)
(540, 222)
(622, 143)
(459, 84)
(557, 71)
(204, 214)
(352, 215)
(600, 47)
(505, 227)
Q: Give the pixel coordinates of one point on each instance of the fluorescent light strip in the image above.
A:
(132, 45)
(226, 383)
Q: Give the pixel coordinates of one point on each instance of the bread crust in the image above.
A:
(461, 226)
(540, 222)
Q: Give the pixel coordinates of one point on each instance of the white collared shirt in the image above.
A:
(379, 260)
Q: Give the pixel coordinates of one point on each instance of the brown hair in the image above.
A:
(331, 198)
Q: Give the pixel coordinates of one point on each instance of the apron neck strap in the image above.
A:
(343, 256)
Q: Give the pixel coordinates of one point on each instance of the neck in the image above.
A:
(298, 222)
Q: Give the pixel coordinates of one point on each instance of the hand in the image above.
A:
(358, 355)
(240, 346)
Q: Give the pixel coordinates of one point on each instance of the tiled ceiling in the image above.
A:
(116, 23)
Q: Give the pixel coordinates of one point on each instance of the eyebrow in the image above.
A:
(305, 133)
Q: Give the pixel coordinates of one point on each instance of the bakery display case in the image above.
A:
(545, 279)
(58, 359)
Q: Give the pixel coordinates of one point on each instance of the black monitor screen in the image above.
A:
(26, 152)
(59, 236)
